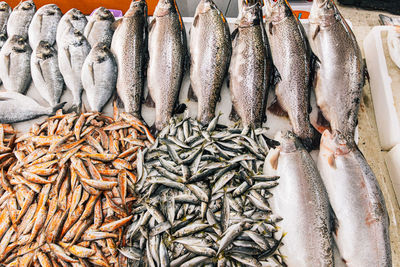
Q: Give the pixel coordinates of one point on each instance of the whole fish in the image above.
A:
(15, 107)
(210, 50)
(99, 76)
(357, 201)
(250, 67)
(301, 200)
(15, 67)
(98, 29)
(44, 25)
(46, 74)
(129, 46)
(73, 50)
(73, 18)
(167, 52)
(293, 62)
(340, 72)
(20, 18)
(5, 11)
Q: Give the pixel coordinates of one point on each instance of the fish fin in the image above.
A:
(89, 28)
(40, 22)
(233, 116)
(179, 108)
(228, 80)
(115, 24)
(91, 71)
(276, 109)
(234, 34)
(274, 158)
(270, 27)
(196, 20)
(149, 101)
(385, 20)
(365, 72)
(74, 108)
(58, 107)
(191, 94)
(322, 123)
(331, 161)
(68, 54)
(334, 221)
(37, 63)
(153, 129)
(7, 59)
(276, 76)
(118, 101)
(315, 33)
(151, 25)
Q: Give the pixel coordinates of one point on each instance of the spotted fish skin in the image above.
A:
(98, 29)
(167, 52)
(210, 51)
(20, 18)
(250, 67)
(129, 46)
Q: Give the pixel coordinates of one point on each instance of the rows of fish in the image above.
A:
(204, 200)
(67, 189)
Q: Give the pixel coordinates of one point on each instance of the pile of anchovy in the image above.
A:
(204, 199)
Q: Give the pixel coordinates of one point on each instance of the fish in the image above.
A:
(249, 85)
(302, 201)
(294, 64)
(5, 11)
(357, 201)
(44, 25)
(340, 68)
(72, 52)
(99, 27)
(393, 37)
(129, 46)
(210, 52)
(72, 19)
(20, 18)
(167, 57)
(15, 67)
(15, 107)
(99, 76)
(46, 73)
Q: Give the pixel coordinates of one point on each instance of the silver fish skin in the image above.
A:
(15, 107)
(129, 45)
(357, 201)
(73, 50)
(167, 52)
(15, 67)
(99, 76)
(250, 67)
(20, 18)
(73, 18)
(294, 64)
(302, 201)
(340, 74)
(98, 29)
(5, 11)
(44, 25)
(46, 73)
(210, 51)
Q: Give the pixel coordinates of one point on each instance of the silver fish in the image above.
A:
(46, 74)
(73, 18)
(15, 107)
(357, 201)
(98, 29)
(250, 67)
(15, 67)
(210, 51)
(340, 72)
(167, 51)
(5, 11)
(303, 203)
(44, 25)
(20, 18)
(99, 76)
(294, 63)
(129, 45)
(73, 50)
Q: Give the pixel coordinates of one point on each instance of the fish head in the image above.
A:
(45, 50)
(19, 44)
(101, 52)
(52, 10)
(277, 10)
(26, 6)
(335, 144)
(137, 7)
(103, 13)
(250, 15)
(204, 6)
(75, 14)
(4, 7)
(77, 37)
(165, 7)
(288, 142)
(324, 12)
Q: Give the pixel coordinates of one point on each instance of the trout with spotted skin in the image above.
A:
(340, 72)
(210, 50)
(250, 67)
(167, 51)
(294, 65)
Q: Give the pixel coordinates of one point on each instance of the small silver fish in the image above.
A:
(44, 25)
(99, 76)
(98, 29)
(46, 74)
(73, 18)
(5, 11)
(20, 18)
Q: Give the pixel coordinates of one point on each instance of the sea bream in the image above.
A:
(294, 64)
(44, 25)
(15, 67)
(46, 73)
(250, 67)
(129, 46)
(340, 68)
(210, 51)
(20, 18)
(362, 232)
(168, 54)
(5, 11)
(98, 29)
(302, 201)
(73, 18)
